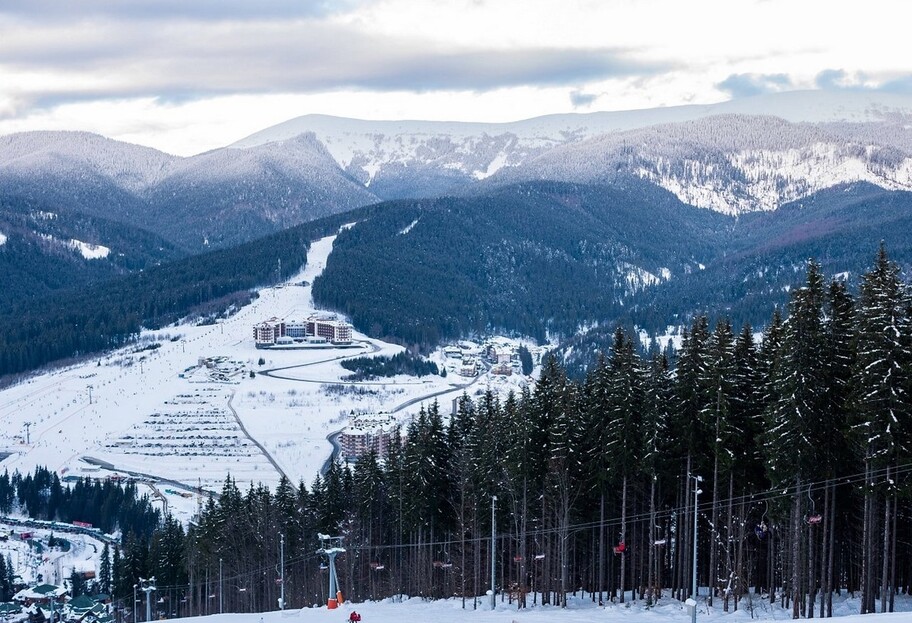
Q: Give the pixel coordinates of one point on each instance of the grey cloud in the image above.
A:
(838, 79)
(187, 61)
(490, 69)
(746, 85)
(580, 99)
(830, 79)
(203, 10)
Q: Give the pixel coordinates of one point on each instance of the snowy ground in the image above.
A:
(153, 410)
(580, 610)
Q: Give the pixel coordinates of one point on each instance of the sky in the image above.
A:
(185, 76)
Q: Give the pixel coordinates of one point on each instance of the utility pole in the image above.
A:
(90, 394)
(282, 575)
(27, 425)
(221, 592)
(697, 492)
(148, 587)
(135, 586)
(493, 552)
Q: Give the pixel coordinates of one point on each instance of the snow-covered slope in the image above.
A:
(224, 196)
(230, 195)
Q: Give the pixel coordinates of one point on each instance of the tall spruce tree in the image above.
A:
(104, 570)
(623, 436)
(882, 425)
(718, 379)
(799, 404)
(692, 396)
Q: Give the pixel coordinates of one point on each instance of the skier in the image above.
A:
(354, 617)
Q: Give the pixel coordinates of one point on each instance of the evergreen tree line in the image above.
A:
(802, 442)
(107, 505)
(367, 368)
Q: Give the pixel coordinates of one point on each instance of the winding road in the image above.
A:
(268, 456)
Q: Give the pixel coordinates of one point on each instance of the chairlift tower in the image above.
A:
(148, 586)
(331, 546)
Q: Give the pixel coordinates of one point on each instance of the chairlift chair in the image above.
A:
(761, 529)
(813, 517)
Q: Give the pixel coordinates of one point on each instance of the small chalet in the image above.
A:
(41, 595)
(41, 601)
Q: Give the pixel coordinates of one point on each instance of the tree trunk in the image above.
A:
(601, 550)
(650, 543)
(893, 556)
(867, 540)
(729, 571)
(830, 551)
(714, 526)
(796, 554)
(885, 568)
(824, 550)
(623, 535)
(811, 577)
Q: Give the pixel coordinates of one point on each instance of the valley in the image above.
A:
(188, 405)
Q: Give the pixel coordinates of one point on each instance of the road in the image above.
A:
(268, 456)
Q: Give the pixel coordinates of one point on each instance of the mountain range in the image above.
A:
(642, 186)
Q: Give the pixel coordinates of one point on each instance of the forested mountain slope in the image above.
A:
(106, 315)
(42, 251)
(531, 258)
(551, 258)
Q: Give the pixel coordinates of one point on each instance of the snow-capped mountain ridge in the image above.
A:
(131, 167)
(731, 164)
(745, 155)
(785, 146)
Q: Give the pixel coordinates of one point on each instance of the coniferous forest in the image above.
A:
(802, 442)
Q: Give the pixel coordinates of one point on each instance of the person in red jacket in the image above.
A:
(354, 617)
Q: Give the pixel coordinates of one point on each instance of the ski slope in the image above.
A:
(180, 408)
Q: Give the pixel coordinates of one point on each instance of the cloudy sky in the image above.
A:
(190, 75)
